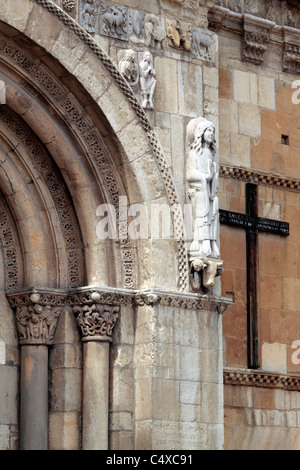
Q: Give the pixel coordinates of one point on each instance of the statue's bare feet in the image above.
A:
(215, 249)
(205, 248)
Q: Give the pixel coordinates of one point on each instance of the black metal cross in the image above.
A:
(253, 224)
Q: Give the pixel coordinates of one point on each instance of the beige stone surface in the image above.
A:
(64, 431)
(249, 120)
(274, 357)
(266, 89)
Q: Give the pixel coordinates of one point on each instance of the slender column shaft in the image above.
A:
(95, 395)
(34, 397)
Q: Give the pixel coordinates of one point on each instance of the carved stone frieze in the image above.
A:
(37, 313)
(256, 378)
(252, 176)
(186, 301)
(150, 297)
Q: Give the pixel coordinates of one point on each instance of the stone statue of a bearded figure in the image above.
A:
(203, 181)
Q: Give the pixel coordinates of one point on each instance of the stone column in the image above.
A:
(37, 313)
(96, 320)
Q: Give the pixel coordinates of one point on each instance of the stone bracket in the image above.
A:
(203, 271)
(291, 52)
(256, 37)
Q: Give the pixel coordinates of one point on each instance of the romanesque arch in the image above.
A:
(72, 136)
(139, 150)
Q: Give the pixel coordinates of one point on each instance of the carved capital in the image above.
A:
(37, 313)
(95, 318)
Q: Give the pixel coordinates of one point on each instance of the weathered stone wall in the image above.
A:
(166, 377)
(259, 143)
(261, 418)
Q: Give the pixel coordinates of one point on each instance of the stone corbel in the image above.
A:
(37, 313)
(256, 38)
(203, 272)
(291, 51)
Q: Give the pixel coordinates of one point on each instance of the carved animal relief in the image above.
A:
(154, 31)
(114, 21)
(128, 67)
(203, 44)
(179, 35)
(88, 15)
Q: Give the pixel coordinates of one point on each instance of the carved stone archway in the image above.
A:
(70, 143)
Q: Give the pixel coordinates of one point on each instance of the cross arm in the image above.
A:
(250, 222)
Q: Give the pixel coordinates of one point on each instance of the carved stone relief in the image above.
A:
(254, 46)
(203, 180)
(291, 58)
(203, 44)
(147, 80)
(95, 319)
(88, 15)
(154, 31)
(129, 68)
(37, 313)
(68, 5)
(256, 38)
(136, 26)
(114, 21)
(138, 70)
(179, 35)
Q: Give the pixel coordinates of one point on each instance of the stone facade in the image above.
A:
(98, 99)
